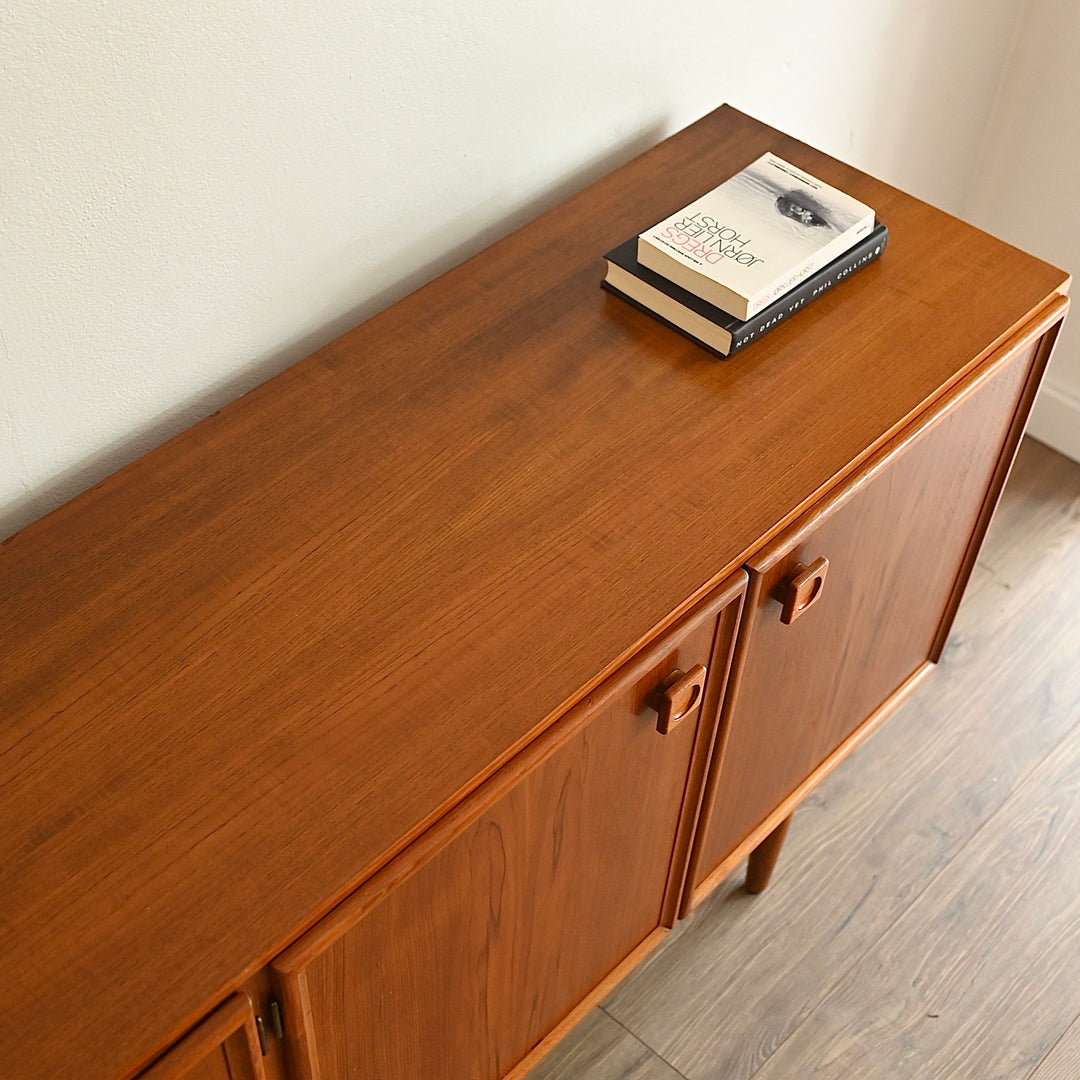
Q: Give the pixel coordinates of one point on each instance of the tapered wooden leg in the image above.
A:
(763, 858)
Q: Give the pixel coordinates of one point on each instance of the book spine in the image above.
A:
(810, 266)
(862, 253)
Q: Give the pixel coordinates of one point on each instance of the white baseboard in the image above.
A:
(1055, 420)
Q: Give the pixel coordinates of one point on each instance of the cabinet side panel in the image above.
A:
(896, 548)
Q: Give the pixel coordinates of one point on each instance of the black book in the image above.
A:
(711, 327)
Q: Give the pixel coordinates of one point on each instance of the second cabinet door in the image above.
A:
(820, 655)
(472, 946)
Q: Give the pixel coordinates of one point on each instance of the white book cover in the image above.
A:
(757, 235)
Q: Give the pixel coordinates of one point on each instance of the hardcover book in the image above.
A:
(716, 330)
(755, 237)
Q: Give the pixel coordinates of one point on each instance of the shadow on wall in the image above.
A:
(65, 486)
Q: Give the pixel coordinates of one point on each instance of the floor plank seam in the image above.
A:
(836, 983)
(1050, 1052)
(638, 1039)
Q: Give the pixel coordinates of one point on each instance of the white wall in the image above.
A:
(1026, 188)
(194, 195)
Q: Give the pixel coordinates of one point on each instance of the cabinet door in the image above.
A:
(474, 945)
(224, 1046)
(899, 539)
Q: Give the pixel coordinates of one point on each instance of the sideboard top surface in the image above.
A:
(244, 670)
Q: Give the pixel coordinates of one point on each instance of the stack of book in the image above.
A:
(747, 255)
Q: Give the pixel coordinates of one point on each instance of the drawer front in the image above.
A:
(468, 950)
(848, 606)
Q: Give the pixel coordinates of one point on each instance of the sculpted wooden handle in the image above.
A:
(804, 589)
(680, 695)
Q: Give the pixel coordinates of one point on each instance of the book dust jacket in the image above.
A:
(757, 235)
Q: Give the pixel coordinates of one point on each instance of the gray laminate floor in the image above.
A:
(924, 918)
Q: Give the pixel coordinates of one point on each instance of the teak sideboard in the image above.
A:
(378, 723)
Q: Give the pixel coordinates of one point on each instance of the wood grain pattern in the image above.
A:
(954, 985)
(569, 1023)
(1063, 1061)
(786, 807)
(223, 1047)
(896, 539)
(204, 654)
(1034, 524)
(603, 1050)
(762, 860)
(1015, 433)
(516, 909)
(743, 974)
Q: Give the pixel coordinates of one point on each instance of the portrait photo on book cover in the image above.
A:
(805, 217)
